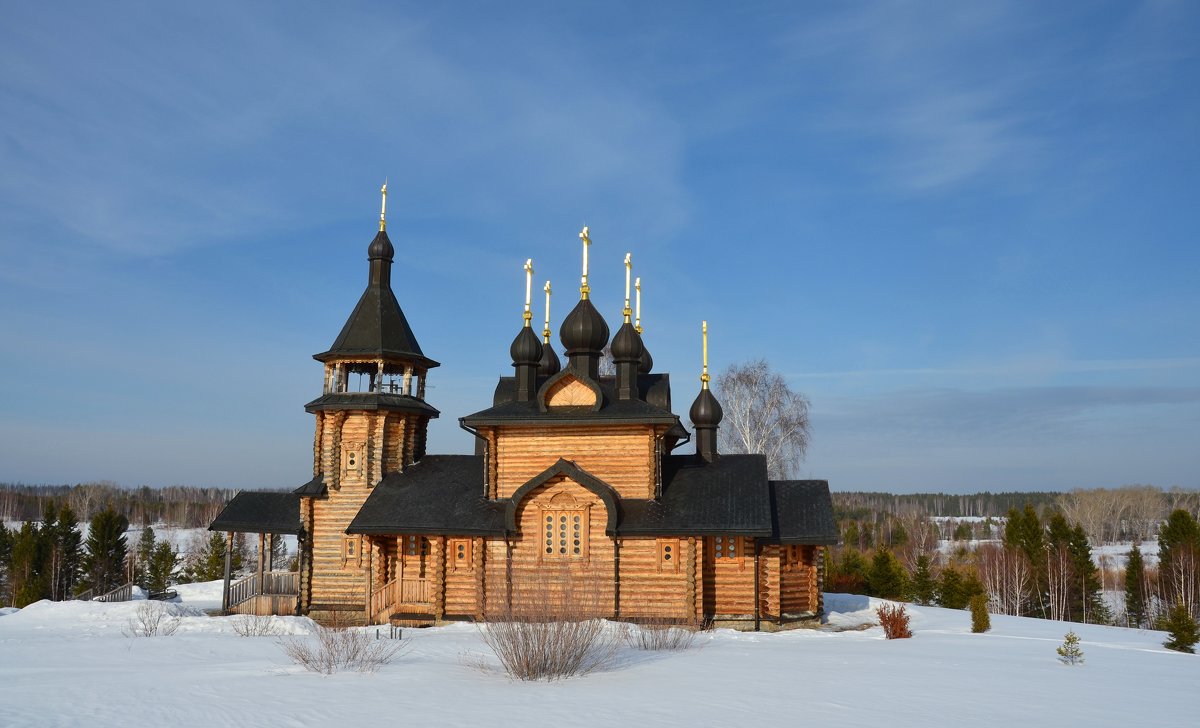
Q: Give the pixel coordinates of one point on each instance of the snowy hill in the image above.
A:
(68, 664)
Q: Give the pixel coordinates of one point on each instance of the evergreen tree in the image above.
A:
(28, 566)
(65, 545)
(104, 563)
(955, 589)
(1179, 558)
(145, 548)
(850, 536)
(850, 576)
(923, 588)
(980, 620)
(1182, 630)
(160, 566)
(1069, 652)
(1135, 588)
(5, 559)
(886, 577)
(278, 551)
(209, 563)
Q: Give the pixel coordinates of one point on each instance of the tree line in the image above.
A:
(181, 505)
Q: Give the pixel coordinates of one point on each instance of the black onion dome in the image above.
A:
(647, 362)
(549, 364)
(627, 344)
(584, 330)
(526, 348)
(381, 248)
(706, 410)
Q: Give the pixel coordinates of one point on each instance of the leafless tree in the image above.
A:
(763, 415)
(1008, 577)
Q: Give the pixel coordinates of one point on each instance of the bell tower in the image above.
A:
(371, 420)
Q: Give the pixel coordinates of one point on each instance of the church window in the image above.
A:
(668, 554)
(564, 534)
(351, 551)
(460, 554)
(793, 557)
(726, 547)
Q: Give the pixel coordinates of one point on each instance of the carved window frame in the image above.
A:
(668, 555)
(559, 526)
(459, 553)
(352, 548)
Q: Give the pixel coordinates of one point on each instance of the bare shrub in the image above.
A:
(550, 627)
(894, 620)
(661, 635)
(152, 619)
(253, 625)
(332, 650)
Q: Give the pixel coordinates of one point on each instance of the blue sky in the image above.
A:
(967, 231)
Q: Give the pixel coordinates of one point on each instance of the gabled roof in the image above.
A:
(251, 512)
(377, 328)
(803, 512)
(654, 407)
(598, 487)
(439, 494)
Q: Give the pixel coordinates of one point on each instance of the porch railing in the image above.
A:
(274, 583)
(395, 593)
(123, 593)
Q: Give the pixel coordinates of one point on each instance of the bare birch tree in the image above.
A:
(763, 415)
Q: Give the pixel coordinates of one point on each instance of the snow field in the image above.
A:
(67, 664)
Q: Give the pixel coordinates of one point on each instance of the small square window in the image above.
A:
(351, 551)
(668, 554)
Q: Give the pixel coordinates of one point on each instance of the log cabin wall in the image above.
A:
(769, 587)
(338, 560)
(542, 580)
(622, 456)
(654, 579)
(799, 581)
(728, 568)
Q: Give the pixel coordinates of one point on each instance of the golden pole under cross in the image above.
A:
(704, 373)
(528, 315)
(584, 290)
(546, 330)
(383, 207)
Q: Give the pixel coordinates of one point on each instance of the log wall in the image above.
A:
(621, 456)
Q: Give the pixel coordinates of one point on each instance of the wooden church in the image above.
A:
(576, 483)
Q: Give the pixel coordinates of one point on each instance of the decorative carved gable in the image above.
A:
(570, 392)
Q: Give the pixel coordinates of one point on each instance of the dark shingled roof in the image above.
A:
(377, 328)
(250, 512)
(314, 488)
(803, 512)
(655, 390)
(729, 495)
(440, 494)
(370, 401)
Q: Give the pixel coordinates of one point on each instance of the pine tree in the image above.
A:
(278, 551)
(66, 549)
(160, 566)
(1069, 652)
(1179, 558)
(886, 577)
(106, 549)
(955, 588)
(145, 547)
(5, 558)
(28, 566)
(1182, 630)
(980, 620)
(1135, 588)
(210, 562)
(923, 588)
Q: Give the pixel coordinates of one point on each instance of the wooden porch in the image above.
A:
(401, 597)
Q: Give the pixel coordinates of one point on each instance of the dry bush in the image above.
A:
(658, 634)
(894, 620)
(332, 650)
(154, 618)
(253, 625)
(551, 627)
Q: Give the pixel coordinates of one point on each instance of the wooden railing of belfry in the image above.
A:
(276, 594)
(397, 592)
(123, 593)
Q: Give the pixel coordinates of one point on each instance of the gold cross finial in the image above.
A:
(704, 373)
(584, 290)
(637, 316)
(546, 330)
(528, 316)
(383, 207)
(628, 268)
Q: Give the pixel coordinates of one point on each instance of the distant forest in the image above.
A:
(176, 505)
(859, 506)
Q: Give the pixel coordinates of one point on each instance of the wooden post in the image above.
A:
(616, 578)
(439, 577)
(262, 540)
(370, 570)
(757, 576)
(228, 570)
(691, 576)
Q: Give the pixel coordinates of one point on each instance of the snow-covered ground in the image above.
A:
(68, 664)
